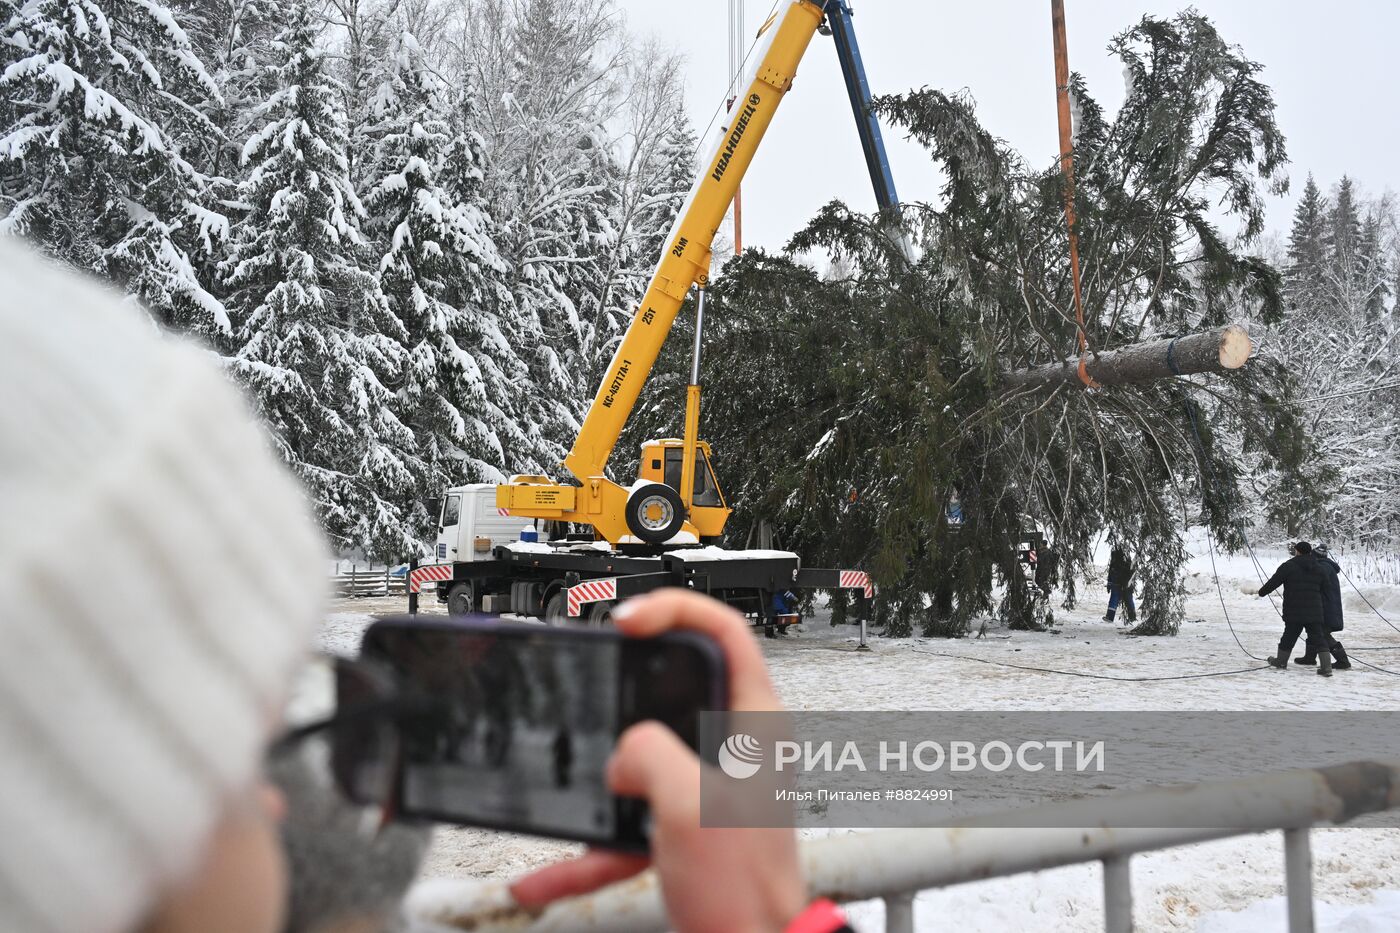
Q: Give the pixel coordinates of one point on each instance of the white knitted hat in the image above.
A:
(159, 581)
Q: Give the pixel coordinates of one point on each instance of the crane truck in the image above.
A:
(661, 529)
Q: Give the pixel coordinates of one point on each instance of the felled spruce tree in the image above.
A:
(319, 347)
(850, 411)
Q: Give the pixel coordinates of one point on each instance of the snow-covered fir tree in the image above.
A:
(320, 348)
(1307, 246)
(656, 167)
(590, 258)
(442, 277)
(547, 73)
(101, 149)
(234, 38)
(363, 37)
(1338, 339)
(666, 187)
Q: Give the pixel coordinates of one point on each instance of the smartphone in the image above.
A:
(514, 723)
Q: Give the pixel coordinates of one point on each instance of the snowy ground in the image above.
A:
(1221, 887)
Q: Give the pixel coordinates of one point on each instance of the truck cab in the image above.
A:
(661, 463)
(470, 524)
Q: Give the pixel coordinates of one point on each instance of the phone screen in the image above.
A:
(522, 720)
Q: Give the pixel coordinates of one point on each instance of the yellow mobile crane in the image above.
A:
(649, 534)
(690, 506)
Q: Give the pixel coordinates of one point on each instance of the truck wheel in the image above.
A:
(460, 600)
(556, 608)
(600, 614)
(655, 513)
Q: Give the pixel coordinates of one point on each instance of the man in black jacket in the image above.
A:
(1120, 585)
(1331, 614)
(1303, 581)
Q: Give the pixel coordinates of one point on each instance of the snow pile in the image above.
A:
(1383, 599)
(528, 547)
(1230, 886)
(440, 904)
(710, 552)
(1380, 916)
(822, 444)
(680, 537)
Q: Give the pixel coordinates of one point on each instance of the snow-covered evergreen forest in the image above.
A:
(412, 229)
(1341, 337)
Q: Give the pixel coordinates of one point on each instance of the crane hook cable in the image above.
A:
(1382, 615)
(1087, 676)
(733, 83)
(1057, 23)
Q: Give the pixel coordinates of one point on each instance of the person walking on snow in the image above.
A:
(1047, 572)
(1120, 585)
(1331, 614)
(1304, 583)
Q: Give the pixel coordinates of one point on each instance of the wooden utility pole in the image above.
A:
(1062, 107)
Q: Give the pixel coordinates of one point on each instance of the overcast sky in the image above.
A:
(1333, 67)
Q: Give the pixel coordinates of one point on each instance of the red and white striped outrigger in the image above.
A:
(433, 572)
(857, 580)
(590, 591)
(605, 590)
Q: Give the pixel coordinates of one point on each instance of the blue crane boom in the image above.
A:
(838, 20)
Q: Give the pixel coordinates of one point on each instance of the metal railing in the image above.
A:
(894, 865)
(357, 582)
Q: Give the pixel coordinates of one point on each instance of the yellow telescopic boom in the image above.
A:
(687, 258)
(598, 501)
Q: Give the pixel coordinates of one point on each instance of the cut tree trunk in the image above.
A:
(1213, 351)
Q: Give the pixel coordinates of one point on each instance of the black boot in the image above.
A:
(1308, 659)
(1341, 662)
(1280, 663)
(1108, 616)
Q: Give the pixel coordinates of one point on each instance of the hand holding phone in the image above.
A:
(515, 723)
(711, 879)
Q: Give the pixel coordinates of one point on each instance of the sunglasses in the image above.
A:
(363, 736)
